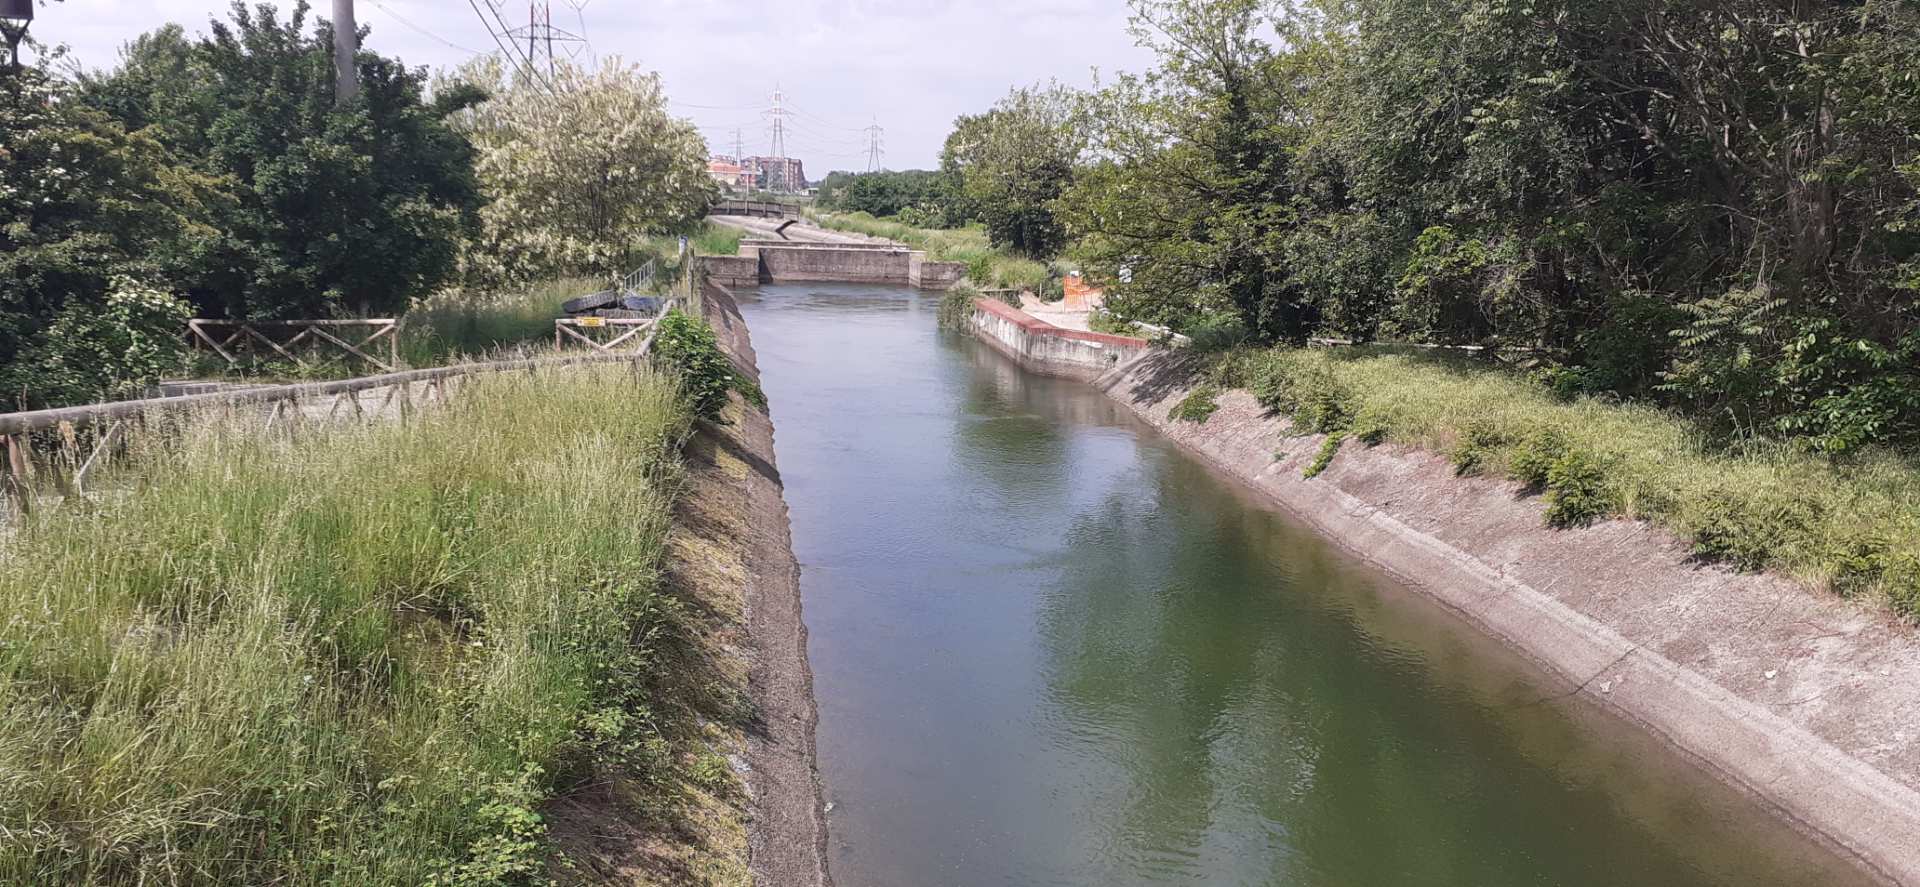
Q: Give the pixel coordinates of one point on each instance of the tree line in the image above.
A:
(1710, 206)
(216, 176)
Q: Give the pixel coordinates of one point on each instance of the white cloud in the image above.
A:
(910, 65)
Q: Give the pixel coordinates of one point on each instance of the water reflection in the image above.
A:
(1050, 649)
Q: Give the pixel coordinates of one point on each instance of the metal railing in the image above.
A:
(765, 209)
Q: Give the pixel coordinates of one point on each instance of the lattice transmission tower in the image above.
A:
(540, 36)
(876, 146)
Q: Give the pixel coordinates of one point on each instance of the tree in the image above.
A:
(929, 194)
(1185, 211)
(578, 169)
(327, 210)
(83, 202)
(1014, 161)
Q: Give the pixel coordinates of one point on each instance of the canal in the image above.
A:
(1051, 648)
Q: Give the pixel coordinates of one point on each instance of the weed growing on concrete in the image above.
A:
(1851, 524)
(1198, 405)
(1328, 449)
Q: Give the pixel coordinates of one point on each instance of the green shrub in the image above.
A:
(1370, 427)
(1308, 392)
(1750, 530)
(1480, 443)
(956, 305)
(103, 352)
(717, 240)
(687, 347)
(980, 269)
(1198, 405)
(457, 322)
(1216, 332)
(1578, 492)
(1853, 523)
(1532, 460)
(1104, 321)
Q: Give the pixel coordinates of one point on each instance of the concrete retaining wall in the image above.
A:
(832, 262)
(931, 275)
(732, 270)
(1810, 702)
(1045, 348)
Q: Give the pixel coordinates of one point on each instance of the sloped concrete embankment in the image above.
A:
(1807, 701)
(787, 834)
(1051, 350)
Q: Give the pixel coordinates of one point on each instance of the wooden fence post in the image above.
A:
(17, 476)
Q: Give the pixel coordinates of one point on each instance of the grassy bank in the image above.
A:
(366, 656)
(987, 266)
(1851, 526)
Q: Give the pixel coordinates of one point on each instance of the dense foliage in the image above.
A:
(926, 198)
(577, 169)
(1712, 205)
(83, 202)
(1013, 162)
(687, 347)
(319, 209)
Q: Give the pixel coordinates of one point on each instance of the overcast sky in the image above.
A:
(909, 65)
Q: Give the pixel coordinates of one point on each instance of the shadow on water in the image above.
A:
(1049, 648)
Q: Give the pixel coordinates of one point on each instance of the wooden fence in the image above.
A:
(81, 438)
(583, 330)
(226, 337)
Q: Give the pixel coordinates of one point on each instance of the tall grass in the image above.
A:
(717, 240)
(458, 322)
(362, 657)
(1852, 526)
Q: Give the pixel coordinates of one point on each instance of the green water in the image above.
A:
(1049, 648)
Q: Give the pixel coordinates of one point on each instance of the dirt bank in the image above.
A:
(1805, 700)
(787, 836)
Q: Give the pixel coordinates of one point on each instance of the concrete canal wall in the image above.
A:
(775, 261)
(787, 831)
(1045, 348)
(1809, 702)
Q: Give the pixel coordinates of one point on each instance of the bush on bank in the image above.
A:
(364, 657)
(1852, 526)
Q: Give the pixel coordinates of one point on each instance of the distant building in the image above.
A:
(732, 175)
(778, 173)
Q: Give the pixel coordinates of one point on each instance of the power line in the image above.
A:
(541, 35)
(423, 31)
(508, 48)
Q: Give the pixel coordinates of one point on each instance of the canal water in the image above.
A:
(1050, 648)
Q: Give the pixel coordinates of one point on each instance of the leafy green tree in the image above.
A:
(1713, 205)
(82, 202)
(578, 169)
(1187, 209)
(930, 195)
(1013, 162)
(328, 210)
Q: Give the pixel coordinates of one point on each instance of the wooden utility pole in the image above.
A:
(346, 42)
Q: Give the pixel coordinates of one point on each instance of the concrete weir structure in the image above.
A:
(776, 261)
(1051, 350)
